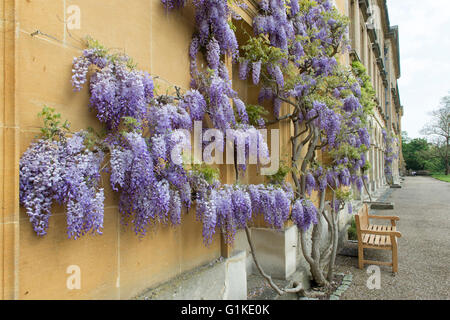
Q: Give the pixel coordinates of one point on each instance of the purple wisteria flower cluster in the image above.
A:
(293, 29)
(117, 89)
(389, 154)
(151, 189)
(212, 92)
(153, 184)
(147, 170)
(304, 213)
(67, 172)
(214, 97)
(325, 97)
(218, 91)
(273, 202)
(276, 22)
(232, 207)
(143, 130)
(211, 18)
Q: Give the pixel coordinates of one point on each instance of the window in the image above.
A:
(362, 46)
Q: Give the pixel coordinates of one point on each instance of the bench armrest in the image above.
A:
(382, 233)
(392, 218)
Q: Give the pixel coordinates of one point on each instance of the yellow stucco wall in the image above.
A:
(36, 71)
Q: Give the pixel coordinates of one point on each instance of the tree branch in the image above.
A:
(367, 190)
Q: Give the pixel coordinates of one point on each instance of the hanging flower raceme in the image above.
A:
(163, 118)
(304, 214)
(273, 202)
(152, 188)
(212, 91)
(213, 32)
(275, 22)
(195, 103)
(117, 89)
(389, 154)
(231, 121)
(213, 54)
(67, 172)
(212, 19)
(327, 120)
(231, 207)
(351, 104)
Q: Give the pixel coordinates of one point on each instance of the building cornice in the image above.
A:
(376, 49)
(396, 96)
(364, 6)
(372, 35)
(380, 64)
(390, 32)
(394, 36)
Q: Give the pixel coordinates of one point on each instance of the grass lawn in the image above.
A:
(442, 177)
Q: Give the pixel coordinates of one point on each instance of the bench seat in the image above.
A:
(378, 240)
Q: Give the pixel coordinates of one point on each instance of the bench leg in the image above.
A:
(360, 257)
(394, 260)
(394, 254)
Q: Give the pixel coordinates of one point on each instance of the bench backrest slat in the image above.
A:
(362, 219)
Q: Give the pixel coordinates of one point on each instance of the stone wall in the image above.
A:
(36, 71)
(36, 53)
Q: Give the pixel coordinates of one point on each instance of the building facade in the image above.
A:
(36, 52)
(375, 43)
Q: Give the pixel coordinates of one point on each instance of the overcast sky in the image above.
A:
(424, 27)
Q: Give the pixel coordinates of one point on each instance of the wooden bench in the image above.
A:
(376, 237)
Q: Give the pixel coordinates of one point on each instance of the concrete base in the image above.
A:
(241, 244)
(224, 279)
(276, 251)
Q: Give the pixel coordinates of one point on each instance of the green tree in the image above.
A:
(438, 131)
(413, 151)
(419, 154)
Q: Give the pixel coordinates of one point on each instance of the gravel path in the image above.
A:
(423, 205)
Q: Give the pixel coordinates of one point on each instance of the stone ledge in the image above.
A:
(222, 279)
(378, 205)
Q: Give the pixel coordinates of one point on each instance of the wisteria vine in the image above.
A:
(292, 57)
(390, 153)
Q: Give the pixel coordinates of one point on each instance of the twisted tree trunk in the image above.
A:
(335, 239)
